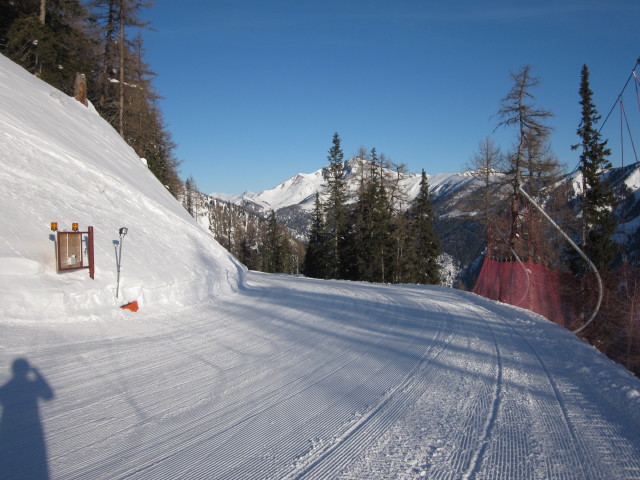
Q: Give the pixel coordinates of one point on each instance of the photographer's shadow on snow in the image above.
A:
(23, 452)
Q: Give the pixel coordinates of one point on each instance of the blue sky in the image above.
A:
(253, 90)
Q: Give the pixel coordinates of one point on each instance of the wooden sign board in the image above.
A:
(71, 252)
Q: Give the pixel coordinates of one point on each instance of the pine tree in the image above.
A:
(144, 127)
(114, 17)
(336, 214)
(189, 196)
(104, 19)
(358, 252)
(484, 166)
(316, 255)
(274, 255)
(47, 39)
(541, 164)
(123, 93)
(286, 261)
(530, 162)
(372, 246)
(426, 245)
(517, 110)
(398, 203)
(247, 249)
(597, 199)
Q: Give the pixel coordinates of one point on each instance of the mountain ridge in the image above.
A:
(300, 189)
(462, 234)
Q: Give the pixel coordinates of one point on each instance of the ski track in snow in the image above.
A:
(294, 378)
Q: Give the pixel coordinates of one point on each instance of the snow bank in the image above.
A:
(60, 161)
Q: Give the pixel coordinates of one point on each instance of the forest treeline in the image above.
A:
(379, 235)
(100, 39)
(375, 233)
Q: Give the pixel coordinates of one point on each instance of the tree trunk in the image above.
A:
(43, 11)
(122, 50)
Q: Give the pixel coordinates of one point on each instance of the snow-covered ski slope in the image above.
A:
(294, 378)
(227, 374)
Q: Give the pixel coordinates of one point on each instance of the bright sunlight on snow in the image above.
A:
(229, 374)
(62, 163)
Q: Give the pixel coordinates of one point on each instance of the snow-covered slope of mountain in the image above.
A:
(297, 190)
(60, 162)
(300, 190)
(625, 181)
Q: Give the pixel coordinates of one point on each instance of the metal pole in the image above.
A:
(123, 232)
(92, 267)
(119, 260)
(582, 254)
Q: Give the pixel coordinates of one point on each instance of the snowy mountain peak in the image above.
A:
(300, 190)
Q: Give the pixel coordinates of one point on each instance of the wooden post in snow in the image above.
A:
(80, 89)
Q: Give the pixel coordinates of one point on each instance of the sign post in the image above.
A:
(70, 254)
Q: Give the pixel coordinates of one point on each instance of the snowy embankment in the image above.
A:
(60, 162)
(226, 374)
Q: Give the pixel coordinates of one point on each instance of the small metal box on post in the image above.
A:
(70, 254)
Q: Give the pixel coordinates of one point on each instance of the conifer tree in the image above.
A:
(353, 261)
(247, 249)
(398, 203)
(189, 196)
(123, 93)
(426, 245)
(47, 39)
(526, 164)
(597, 199)
(55, 39)
(372, 248)
(315, 257)
(484, 165)
(336, 214)
(275, 254)
(288, 258)
(358, 257)
(382, 242)
(114, 17)
(517, 110)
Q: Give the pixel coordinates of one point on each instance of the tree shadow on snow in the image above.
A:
(23, 452)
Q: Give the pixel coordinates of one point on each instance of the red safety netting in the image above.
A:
(568, 301)
(517, 271)
(523, 284)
